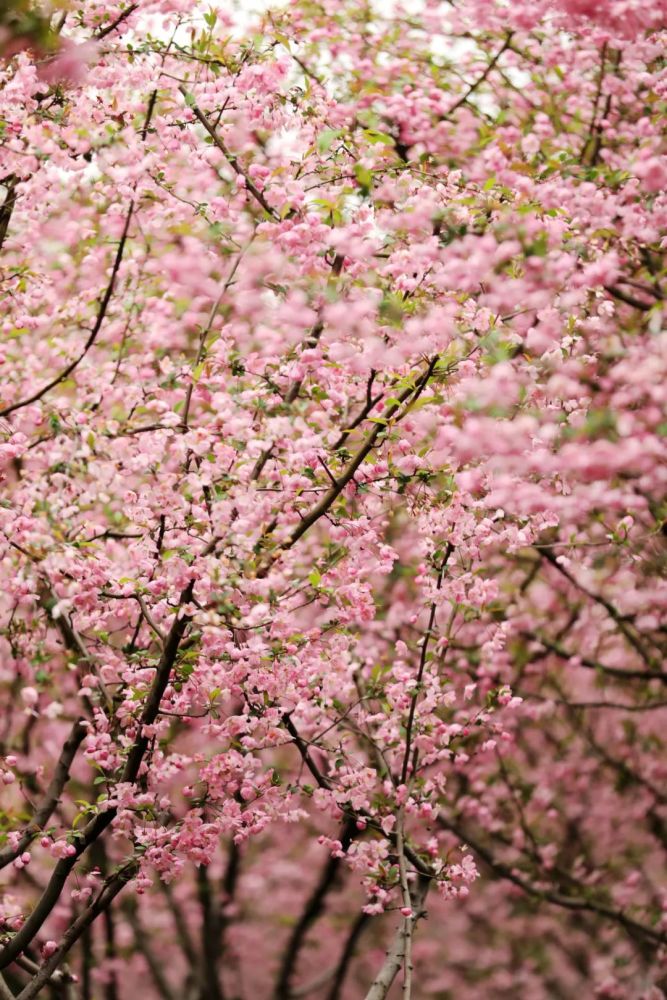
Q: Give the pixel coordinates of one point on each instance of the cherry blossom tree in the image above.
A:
(332, 529)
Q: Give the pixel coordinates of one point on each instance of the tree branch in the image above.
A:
(546, 895)
(112, 887)
(101, 313)
(52, 795)
(312, 910)
(408, 395)
(8, 205)
(396, 954)
(231, 158)
(102, 820)
(480, 80)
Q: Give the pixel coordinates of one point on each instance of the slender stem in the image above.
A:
(102, 820)
(108, 28)
(92, 337)
(512, 874)
(408, 923)
(396, 955)
(422, 665)
(8, 205)
(112, 887)
(347, 955)
(52, 795)
(408, 396)
(480, 80)
(231, 158)
(312, 910)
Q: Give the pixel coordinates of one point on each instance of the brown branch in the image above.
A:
(110, 953)
(480, 80)
(656, 292)
(295, 387)
(8, 205)
(210, 937)
(371, 401)
(582, 705)
(504, 871)
(103, 32)
(420, 672)
(409, 396)
(143, 947)
(101, 314)
(613, 613)
(396, 954)
(347, 954)
(629, 300)
(590, 664)
(52, 795)
(231, 158)
(302, 746)
(182, 929)
(595, 129)
(315, 334)
(99, 823)
(105, 898)
(311, 912)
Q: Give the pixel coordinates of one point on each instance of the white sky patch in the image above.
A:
(245, 12)
(288, 142)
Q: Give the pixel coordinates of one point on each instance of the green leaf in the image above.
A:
(364, 177)
(326, 139)
(376, 137)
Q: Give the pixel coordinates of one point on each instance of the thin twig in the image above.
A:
(107, 29)
(408, 396)
(231, 158)
(92, 337)
(51, 796)
(480, 80)
(422, 665)
(396, 954)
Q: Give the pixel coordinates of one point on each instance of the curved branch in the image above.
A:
(408, 396)
(92, 337)
(396, 954)
(504, 871)
(112, 887)
(102, 820)
(311, 911)
(52, 795)
(8, 205)
(231, 158)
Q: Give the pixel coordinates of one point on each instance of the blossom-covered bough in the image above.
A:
(332, 528)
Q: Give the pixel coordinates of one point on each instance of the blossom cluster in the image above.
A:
(332, 452)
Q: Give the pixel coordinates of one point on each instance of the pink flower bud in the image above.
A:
(30, 696)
